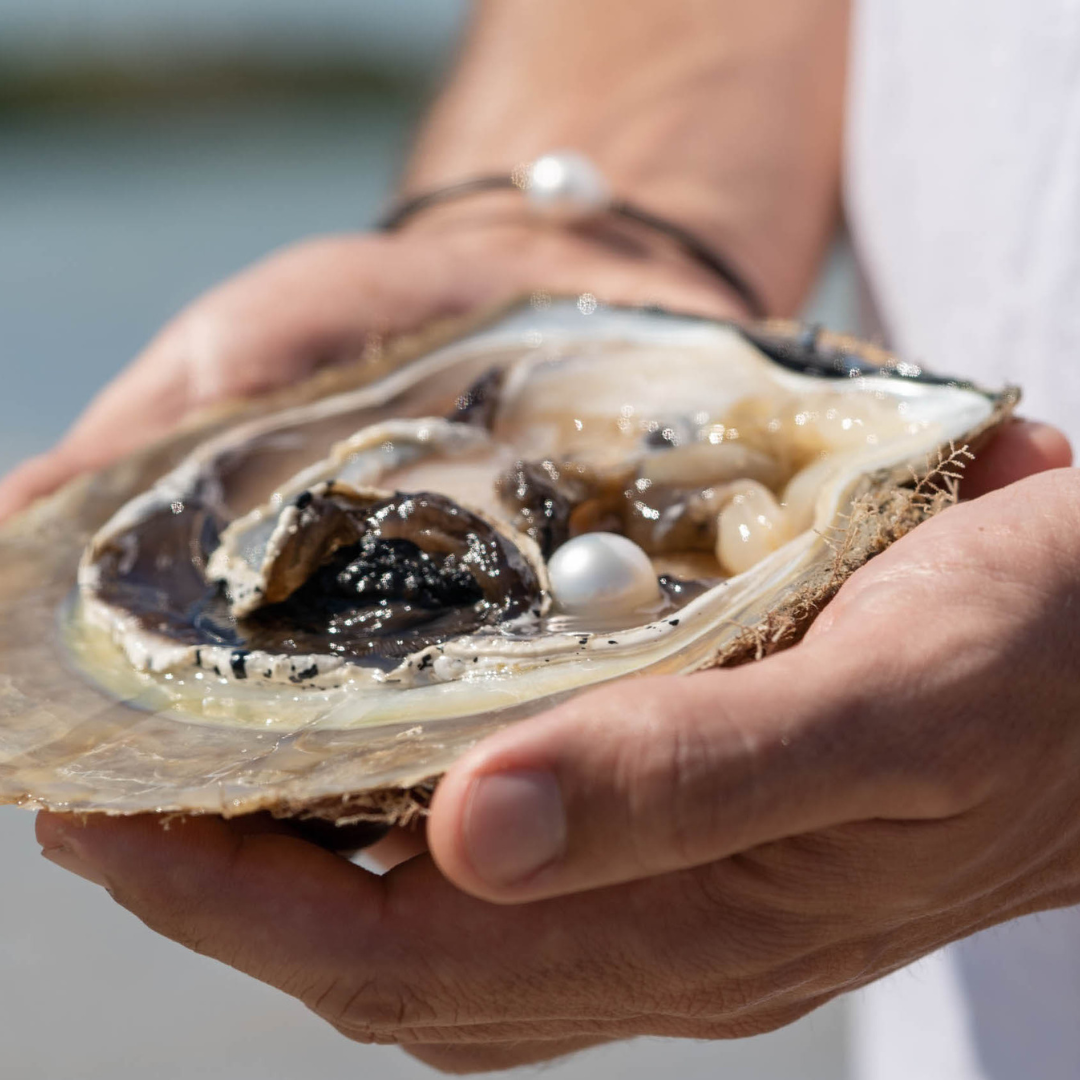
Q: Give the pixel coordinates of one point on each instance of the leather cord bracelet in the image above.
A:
(568, 187)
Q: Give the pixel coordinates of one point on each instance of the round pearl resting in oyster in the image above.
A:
(343, 595)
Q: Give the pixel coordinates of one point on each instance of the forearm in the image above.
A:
(724, 115)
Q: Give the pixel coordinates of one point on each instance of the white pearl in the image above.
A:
(566, 186)
(602, 574)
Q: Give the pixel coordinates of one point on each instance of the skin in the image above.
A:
(724, 852)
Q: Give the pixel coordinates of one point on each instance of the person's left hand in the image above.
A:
(705, 856)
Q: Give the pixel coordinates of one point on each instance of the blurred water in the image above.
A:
(107, 225)
(42, 34)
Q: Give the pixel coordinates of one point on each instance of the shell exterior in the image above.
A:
(100, 714)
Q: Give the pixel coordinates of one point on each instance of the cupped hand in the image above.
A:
(709, 856)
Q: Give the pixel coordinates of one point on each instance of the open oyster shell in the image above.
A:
(208, 660)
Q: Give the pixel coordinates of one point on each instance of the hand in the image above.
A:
(321, 302)
(710, 856)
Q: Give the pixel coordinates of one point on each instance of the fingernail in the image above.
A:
(65, 858)
(514, 825)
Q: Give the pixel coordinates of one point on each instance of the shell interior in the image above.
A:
(318, 606)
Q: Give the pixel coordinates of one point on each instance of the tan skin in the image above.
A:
(738, 846)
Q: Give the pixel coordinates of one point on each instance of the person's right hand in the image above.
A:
(321, 302)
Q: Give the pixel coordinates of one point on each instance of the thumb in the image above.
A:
(654, 775)
(1019, 449)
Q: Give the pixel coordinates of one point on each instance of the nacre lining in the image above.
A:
(632, 410)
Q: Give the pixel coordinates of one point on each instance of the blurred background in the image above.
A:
(149, 148)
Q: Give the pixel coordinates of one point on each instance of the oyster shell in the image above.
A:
(315, 607)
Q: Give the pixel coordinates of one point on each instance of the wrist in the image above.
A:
(617, 261)
(722, 117)
(568, 188)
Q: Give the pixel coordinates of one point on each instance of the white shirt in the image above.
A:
(963, 197)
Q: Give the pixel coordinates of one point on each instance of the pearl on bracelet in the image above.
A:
(602, 574)
(566, 186)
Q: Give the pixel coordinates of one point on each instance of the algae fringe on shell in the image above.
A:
(105, 707)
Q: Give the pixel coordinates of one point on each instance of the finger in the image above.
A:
(650, 776)
(31, 480)
(1020, 449)
(409, 958)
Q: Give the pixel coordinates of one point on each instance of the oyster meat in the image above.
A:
(315, 608)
